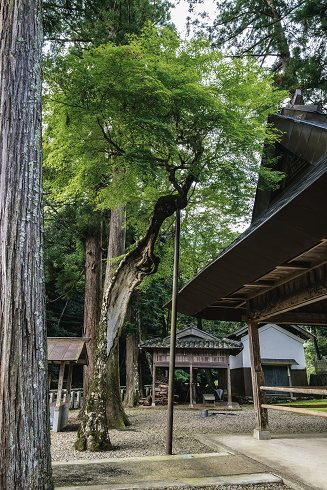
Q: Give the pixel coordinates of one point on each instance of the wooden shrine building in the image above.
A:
(276, 271)
(64, 351)
(195, 349)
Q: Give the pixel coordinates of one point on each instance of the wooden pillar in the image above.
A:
(229, 387)
(261, 430)
(191, 386)
(154, 380)
(69, 381)
(289, 378)
(195, 381)
(60, 384)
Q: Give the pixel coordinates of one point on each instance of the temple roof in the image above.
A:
(193, 338)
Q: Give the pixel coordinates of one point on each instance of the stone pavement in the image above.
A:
(297, 459)
(221, 468)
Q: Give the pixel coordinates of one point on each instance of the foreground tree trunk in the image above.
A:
(93, 432)
(24, 412)
(92, 303)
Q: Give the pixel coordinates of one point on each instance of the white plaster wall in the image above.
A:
(237, 361)
(275, 343)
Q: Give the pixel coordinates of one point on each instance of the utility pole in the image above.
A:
(170, 411)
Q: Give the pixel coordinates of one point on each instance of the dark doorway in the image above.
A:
(276, 376)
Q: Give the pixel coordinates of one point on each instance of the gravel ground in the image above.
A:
(147, 434)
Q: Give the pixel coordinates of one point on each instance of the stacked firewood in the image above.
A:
(161, 390)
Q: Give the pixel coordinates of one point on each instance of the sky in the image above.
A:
(180, 13)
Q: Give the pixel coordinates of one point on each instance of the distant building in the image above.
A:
(282, 357)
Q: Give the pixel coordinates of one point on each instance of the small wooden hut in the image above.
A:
(195, 349)
(64, 351)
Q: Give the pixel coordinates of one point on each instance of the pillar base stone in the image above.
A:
(261, 435)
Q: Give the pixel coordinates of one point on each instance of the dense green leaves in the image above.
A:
(162, 109)
(94, 22)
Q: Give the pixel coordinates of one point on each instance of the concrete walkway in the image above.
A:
(299, 458)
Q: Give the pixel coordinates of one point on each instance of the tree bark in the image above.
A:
(132, 362)
(117, 419)
(281, 41)
(24, 411)
(117, 241)
(92, 302)
(93, 432)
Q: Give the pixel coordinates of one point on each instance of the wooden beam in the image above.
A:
(310, 294)
(236, 298)
(60, 384)
(298, 318)
(259, 396)
(229, 386)
(69, 381)
(154, 379)
(191, 386)
(224, 306)
(295, 265)
(297, 273)
(317, 390)
(304, 411)
(258, 285)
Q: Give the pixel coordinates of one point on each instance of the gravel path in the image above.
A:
(147, 434)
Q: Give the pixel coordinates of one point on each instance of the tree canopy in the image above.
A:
(290, 34)
(171, 113)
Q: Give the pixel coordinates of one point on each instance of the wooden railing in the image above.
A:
(147, 389)
(317, 390)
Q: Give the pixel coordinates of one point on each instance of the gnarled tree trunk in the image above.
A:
(24, 411)
(117, 419)
(93, 297)
(93, 433)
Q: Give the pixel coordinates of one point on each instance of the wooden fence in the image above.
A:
(317, 390)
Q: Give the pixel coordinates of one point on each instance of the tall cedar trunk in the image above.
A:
(24, 412)
(282, 43)
(143, 334)
(94, 430)
(117, 419)
(132, 362)
(132, 370)
(92, 303)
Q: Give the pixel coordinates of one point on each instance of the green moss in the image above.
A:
(100, 442)
(80, 443)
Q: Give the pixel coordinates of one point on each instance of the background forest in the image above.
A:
(286, 38)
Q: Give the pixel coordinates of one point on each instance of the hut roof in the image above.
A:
(67, 349)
